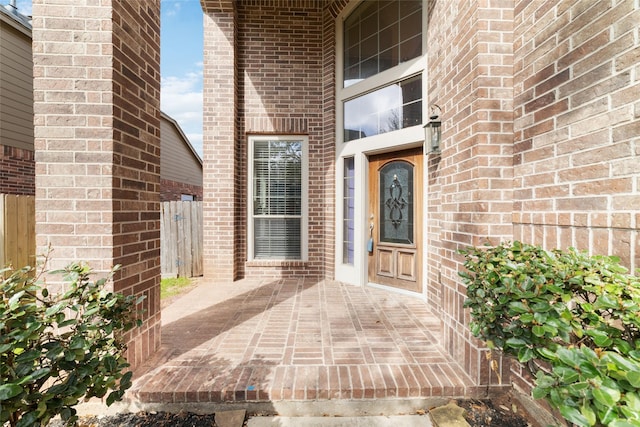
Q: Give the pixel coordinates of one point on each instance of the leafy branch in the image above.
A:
(58, 349)
(570, 318)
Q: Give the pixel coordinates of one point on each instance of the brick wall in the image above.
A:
(136, 163)
(221, 183)
(469, 183)
(279, 79)
(280, 58)
(173, 190)
(539, 108)
(97, 119)
(577, 121)
(73, 135)
(17, 171)
(577, 126)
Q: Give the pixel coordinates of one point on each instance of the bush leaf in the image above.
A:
(7, 391)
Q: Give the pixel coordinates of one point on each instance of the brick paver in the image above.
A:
(297, 340)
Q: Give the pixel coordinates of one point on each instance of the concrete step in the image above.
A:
(370, 421)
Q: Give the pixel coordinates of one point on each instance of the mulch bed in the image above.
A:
(145, 419)
(478, 413)
(486, 413)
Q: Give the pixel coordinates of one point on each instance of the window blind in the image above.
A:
(277, 199)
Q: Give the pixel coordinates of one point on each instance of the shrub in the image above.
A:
(56, 350)
(571, 318)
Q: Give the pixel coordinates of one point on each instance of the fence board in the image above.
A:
(181, 237)
(166, 242)
(196, 239)
(17, 225)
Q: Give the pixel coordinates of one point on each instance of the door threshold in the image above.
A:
(398, 291)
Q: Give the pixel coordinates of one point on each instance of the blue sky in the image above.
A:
(181, 63)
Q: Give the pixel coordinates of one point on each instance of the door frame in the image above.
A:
(416, 154)
(357, 273)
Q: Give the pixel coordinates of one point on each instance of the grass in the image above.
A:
(173, 286)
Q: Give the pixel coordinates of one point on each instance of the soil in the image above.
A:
(145, 419)
(478, 413)
(487, 413)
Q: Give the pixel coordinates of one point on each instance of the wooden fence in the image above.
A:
(180, 233)
(17, 231)
(181, 239)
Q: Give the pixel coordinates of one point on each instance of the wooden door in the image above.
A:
(395, 219)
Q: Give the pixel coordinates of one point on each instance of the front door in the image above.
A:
(395, 225)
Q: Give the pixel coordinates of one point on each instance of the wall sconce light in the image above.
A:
(433, 131)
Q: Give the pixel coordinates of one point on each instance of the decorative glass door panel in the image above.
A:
(395, 199)
(396, 203)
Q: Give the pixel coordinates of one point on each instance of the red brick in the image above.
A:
(87, 194)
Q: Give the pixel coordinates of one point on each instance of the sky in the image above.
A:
(180, 63)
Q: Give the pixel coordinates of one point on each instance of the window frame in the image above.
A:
(360, 148)
(304, 211)
(404, 70)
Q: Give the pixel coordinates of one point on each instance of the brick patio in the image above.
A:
(297, 340)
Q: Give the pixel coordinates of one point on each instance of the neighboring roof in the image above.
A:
(184, 137)
(10, 15)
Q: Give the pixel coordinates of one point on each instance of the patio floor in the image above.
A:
(297, 340)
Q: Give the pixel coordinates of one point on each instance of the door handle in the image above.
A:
(370, 242)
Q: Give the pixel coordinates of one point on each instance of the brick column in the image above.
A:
(470, 183)
(221, 157)
(97, 144)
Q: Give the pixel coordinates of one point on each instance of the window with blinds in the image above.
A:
(277, 192)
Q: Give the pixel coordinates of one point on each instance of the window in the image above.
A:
(391, 108)
(278, 198)
(348, 220)
(396, 203)
(379, 35)
(381, 68)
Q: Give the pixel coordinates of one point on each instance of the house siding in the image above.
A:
(180, 169)
(17, 165)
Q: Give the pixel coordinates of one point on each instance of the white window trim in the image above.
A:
(304, 222)
(360, 148)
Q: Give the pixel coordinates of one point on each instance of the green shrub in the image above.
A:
(571, 318)
(56, 350)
